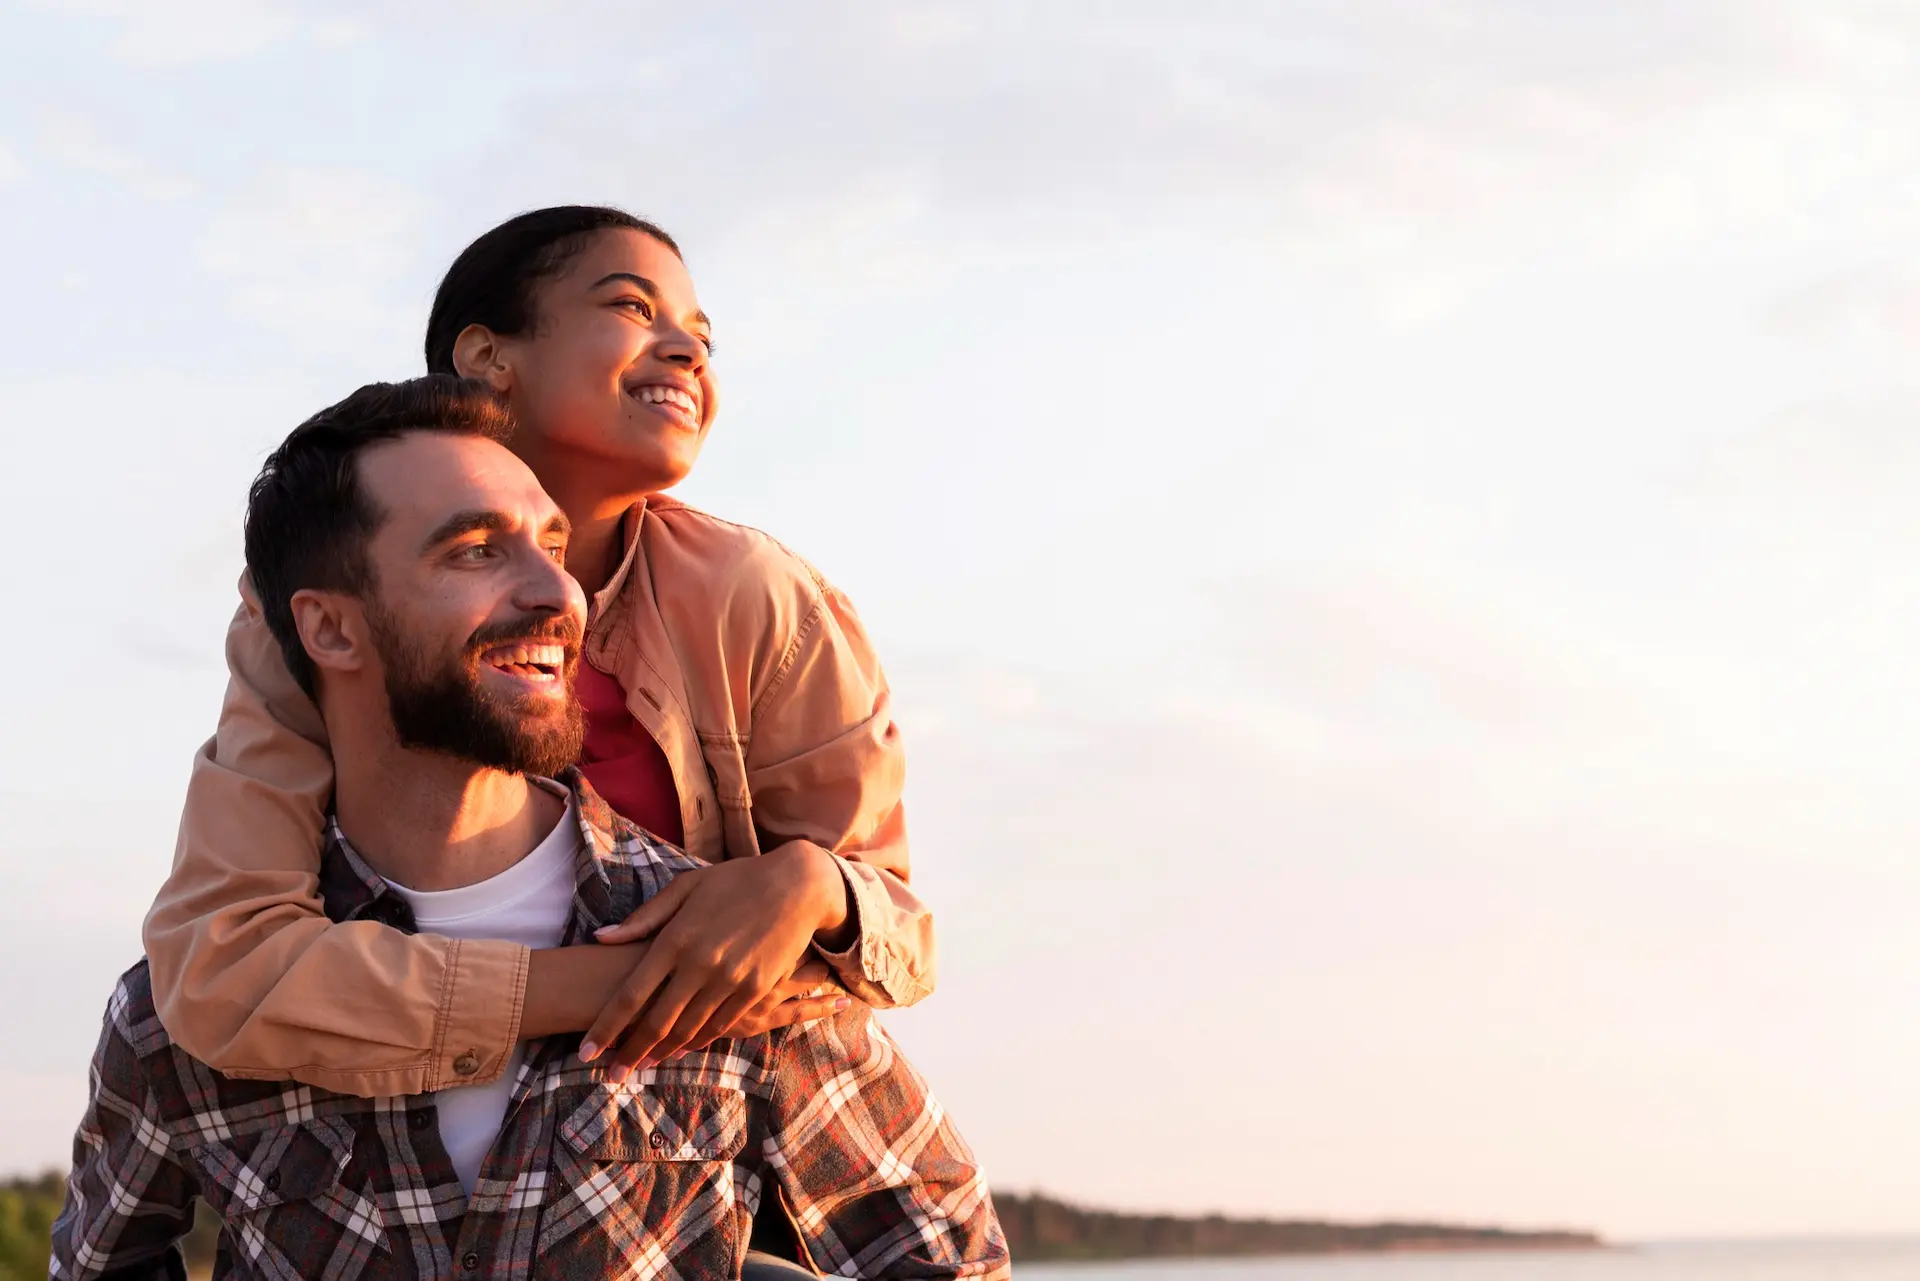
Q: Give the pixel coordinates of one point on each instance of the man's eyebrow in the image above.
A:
(559, 524)
(465, 523)
(646, 287)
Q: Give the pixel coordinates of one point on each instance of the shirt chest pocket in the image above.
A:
(643, 1169)
(281, 1193)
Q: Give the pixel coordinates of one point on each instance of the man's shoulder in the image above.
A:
(132, 1019)
(620, 844)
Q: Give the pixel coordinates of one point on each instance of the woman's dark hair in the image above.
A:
(491, 283)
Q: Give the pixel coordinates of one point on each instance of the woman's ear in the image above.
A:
(479, 353)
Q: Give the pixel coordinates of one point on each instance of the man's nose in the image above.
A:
(544, 586)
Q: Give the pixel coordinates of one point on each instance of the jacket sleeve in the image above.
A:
(825, 764)
(249, 975)
(875, 1177)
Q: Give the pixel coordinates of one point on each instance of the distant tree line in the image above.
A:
(1040, 1228)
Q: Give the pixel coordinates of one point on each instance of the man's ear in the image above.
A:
(333, 630)
(479, 353)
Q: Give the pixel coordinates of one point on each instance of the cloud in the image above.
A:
(76, 142)
(323, 251)
(181, 35)
(12, 168)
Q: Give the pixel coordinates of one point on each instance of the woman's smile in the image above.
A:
(677, 401)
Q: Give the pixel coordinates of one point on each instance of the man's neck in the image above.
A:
(431, 822)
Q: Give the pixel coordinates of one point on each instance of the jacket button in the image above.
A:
(656, 1140)
(466, 1064)
(273, 1181)
(470, 1261)
(417, 1120)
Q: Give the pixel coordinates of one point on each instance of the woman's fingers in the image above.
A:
(654, 1024)
(805, 1009)
(627, 1001)
(652, 914)
(691, 1019)
(811, 974)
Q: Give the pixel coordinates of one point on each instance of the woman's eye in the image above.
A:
(640, 305)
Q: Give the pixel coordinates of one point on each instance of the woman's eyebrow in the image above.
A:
(646, 287)
(641, 283)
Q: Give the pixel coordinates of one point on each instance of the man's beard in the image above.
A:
(442, 707)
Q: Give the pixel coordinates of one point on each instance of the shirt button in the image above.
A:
(470, 1261)
(273, 1181)
(466, 1065)
(656, 1140)
(417, 1120)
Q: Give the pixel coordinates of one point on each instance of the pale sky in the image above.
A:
(1389, 521)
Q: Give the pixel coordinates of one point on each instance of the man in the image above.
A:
(410, 568)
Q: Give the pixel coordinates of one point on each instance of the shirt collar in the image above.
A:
(617, 866)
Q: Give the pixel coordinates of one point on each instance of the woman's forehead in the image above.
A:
(622, 251)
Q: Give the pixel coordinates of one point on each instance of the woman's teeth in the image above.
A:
(657, 395)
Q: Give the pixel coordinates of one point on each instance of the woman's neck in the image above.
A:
(597, 511)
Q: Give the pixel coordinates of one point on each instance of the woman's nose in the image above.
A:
(681, 348)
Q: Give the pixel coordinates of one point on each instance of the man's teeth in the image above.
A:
(657, 395)
(528, 656)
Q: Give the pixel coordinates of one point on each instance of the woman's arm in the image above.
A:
(826, 767)
(824, 771)
(249, 975)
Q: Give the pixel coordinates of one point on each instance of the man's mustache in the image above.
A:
(530, 629)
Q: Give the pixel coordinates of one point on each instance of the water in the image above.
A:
(1691, 1261)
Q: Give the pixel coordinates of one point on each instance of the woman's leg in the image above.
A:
(764, 1267)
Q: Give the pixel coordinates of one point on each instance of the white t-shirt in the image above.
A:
(529, 903)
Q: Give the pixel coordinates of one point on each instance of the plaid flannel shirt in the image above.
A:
(656, 1177)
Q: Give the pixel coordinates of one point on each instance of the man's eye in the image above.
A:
(559, 552)
(474, 553)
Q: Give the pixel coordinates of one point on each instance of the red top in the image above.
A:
(621, 759)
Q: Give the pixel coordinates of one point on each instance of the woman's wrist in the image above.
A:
(830, 901)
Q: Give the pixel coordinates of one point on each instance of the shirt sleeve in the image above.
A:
(249, 975)
(128, 1200)
(878, 1181)
(826, 765)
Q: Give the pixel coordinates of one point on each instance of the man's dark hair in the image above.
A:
(491, 283)
(309, 518)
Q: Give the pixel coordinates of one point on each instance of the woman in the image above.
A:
(734, 706)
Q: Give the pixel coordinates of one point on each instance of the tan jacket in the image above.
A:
(753, 674)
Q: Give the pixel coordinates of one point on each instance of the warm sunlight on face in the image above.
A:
(618, 366)
(467, 563)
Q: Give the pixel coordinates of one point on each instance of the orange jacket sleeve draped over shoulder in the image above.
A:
(250, 977)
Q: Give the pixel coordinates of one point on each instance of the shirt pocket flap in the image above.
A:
(276, 1165)
(654, 1122)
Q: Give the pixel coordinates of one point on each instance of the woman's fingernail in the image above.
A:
(589, 1051)
(843, 1003)
(604, 930)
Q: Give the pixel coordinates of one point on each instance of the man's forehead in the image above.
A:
(421, 478)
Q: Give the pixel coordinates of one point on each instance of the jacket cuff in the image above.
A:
(482, 997)
(868, 968)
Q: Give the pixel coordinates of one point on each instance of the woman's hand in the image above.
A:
(812, 993)
(724, 938)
